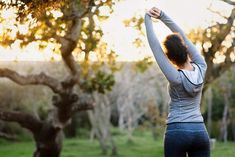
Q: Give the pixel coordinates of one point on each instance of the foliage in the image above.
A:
(51, 21)
(143, 65)
(205, 37)
(136, 23)
(101, 82)
(34, 7)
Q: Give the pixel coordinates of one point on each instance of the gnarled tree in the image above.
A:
(67, 31)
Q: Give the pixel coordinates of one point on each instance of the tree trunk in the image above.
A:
(8, 136)
(224, 129)
(130, 129)
(48, 142)
(209, 113)
(71, 129)
(224, 125)
(154, 131)
(100, 121)
(114, 147)
(233, 130)
(103, 145)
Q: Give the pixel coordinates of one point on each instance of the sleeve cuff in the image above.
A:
(161, 14)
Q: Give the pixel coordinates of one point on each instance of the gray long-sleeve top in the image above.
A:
(185, 86)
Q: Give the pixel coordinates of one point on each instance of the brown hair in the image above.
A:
(176, 49)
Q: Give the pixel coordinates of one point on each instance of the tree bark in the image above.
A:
(233, 129)
(48, 141)
(25, 120)
(40, 79)
(224, 125)
(100, 121)
(70, 130)
(8, 136)
(229, 2)
(209, 112)
(47, 137)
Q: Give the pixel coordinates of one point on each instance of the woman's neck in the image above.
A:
(187, 66)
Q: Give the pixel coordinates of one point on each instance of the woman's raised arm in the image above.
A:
(167, 68)
(195, 55)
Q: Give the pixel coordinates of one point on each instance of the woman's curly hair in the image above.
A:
(176, 50)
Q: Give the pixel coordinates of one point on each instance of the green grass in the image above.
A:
(142, 146)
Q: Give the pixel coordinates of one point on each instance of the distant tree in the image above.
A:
(217, 41)
(73, 33)
(100, 122)
(137, 88)
(226, 89)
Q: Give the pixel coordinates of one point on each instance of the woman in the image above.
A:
(185, 69)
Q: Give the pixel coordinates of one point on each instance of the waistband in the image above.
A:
(192, 126)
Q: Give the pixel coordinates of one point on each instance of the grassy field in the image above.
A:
(142, 146)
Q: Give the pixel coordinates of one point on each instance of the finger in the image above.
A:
(156, 14)
(156, 11)
(150, 14)
(159, 11)
(153, 13)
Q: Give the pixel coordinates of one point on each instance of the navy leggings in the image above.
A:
(183, 139)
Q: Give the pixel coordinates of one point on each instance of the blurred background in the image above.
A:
(77, 77)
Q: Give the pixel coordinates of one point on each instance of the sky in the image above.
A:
(187, 13)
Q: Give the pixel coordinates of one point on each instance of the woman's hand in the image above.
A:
(154, 12)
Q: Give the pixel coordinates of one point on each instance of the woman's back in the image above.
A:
(184, 105)
(185, 132)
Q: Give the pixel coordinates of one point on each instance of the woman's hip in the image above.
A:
(186, 126)
(186, 136)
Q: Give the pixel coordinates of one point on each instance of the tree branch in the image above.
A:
(67, 48)
(85, 102)
(25, 120)
(69, 41)
(219, 69)
(7, 136)
(221, 35)
(229, 2)
(87, 9)
(82, 107)
(217, 12)
(40, 79)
